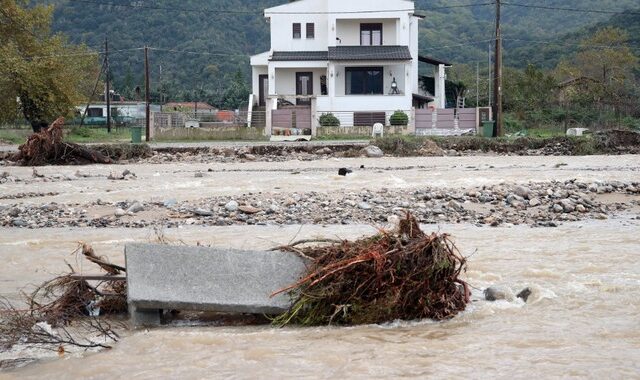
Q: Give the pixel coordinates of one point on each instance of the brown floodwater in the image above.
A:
(583, 319)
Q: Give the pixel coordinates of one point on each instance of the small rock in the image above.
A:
(581, 208)
(534, 202)
(250, 157)
(199, 175)
(495, 293)
(523, 192)
(135, 208)
(601, 216)
(231, 206)
(169, 203)
(120, 213)
(274, 208)
(323, 151)
(203, 212)
(373, 151)
(14, 212)
(568, 206)
(456, 206)
(344, 171)
(558, 208)
(19, 222)
(364, 206)
(249, 209)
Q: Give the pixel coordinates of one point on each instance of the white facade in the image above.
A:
(362, 57)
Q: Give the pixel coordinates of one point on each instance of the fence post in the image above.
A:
(412, 121)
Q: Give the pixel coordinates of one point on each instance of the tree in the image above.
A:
(237, 93)
(42, 76)
(607, 60)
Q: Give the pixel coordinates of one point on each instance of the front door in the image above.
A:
(304, 88)
(263, 81)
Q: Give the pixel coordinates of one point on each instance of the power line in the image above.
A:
(582, 10)
(258, 12)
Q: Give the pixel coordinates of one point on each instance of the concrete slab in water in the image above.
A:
(208, 279)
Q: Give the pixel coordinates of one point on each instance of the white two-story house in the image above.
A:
(356, 59)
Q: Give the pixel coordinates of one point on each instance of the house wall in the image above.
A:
(282, 32)
(349, 31)
(256, 71)
(286, 80)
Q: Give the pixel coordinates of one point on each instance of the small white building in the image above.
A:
(356, 59)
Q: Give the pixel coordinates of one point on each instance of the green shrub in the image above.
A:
(81, 131)
(329, 120)
(399, 118)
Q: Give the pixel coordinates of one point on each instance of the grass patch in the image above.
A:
(93, 135)
(14, 136)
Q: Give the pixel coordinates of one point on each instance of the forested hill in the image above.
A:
(219, 41)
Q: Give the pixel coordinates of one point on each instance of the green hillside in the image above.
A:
(209, 46)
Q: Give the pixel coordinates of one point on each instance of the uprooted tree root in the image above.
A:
(48, 148)
(66, 311)
(405, 275)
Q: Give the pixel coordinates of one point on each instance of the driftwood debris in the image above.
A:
(66, 311)
(405, 275)
(48, 147)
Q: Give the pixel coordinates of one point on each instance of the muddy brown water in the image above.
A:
(582, 321)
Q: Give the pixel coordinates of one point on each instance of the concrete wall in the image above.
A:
(217, 133)
(360, 131)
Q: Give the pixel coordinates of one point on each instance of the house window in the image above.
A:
(311, 30)
(95, 112)
(370, 34)
(297, 30)
(364, 81)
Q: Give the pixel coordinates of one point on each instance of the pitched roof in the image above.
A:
(432, 61)
(299, 56)
(369, 53)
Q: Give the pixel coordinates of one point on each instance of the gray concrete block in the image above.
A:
(209, 279)
(144, 317)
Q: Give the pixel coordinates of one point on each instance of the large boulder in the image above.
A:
(373, 151)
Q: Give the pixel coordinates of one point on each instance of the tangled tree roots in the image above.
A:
(65, 311)
(48, 148)
(404, 275)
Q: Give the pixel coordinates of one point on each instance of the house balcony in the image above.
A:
(367, 31)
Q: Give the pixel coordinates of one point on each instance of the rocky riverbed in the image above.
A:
(545, 204)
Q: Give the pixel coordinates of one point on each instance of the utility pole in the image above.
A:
(478, 84)
(146, 93)
(108, 85)
(490, 79)
(497, 90)
(161, 89)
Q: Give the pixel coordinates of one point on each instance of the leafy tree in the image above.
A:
(41, 75)
(237, 93)
(607, 66)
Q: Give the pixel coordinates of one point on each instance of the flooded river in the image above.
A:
(582, 320)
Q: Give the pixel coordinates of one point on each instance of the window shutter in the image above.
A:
(311, 30)
(297, 30)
